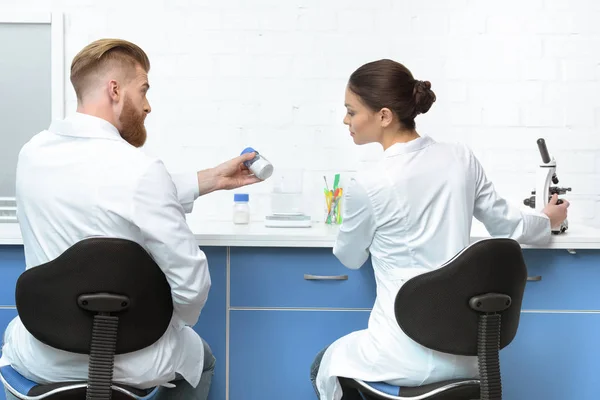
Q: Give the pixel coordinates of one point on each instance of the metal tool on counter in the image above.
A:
(545, 176)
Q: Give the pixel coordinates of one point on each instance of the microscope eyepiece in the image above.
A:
(543, 150)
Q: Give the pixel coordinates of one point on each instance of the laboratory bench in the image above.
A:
(278, 296)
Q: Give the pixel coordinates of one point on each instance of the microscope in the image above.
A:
(543, 192)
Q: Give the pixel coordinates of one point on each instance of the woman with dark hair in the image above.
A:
(411, 212)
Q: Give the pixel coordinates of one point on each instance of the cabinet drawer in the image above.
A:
(568, 281)
(12, 265)
(297, 277)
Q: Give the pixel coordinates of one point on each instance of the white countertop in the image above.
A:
(319, 235)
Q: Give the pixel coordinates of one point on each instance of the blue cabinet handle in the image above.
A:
(309, 277)
(534, 278)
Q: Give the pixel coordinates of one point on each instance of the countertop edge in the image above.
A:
(256, 235)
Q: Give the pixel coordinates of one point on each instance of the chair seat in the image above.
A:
(26, 389)
(464, 389)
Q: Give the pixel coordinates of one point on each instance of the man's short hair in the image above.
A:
(96, 56)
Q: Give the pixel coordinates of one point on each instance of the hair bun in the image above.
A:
(423, 96)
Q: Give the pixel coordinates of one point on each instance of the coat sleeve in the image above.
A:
(186, 185)
(358, 227)
(502, 219)
(158, 213)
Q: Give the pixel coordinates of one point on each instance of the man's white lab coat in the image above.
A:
(413, 212)
(80, 179)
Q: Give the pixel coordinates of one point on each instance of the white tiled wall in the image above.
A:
(271, 74)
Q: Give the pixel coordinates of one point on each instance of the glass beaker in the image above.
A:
(286, 197)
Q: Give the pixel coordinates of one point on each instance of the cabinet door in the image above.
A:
(271, 351)
(555, 356)
(211, 325)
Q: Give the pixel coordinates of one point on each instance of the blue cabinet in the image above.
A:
(271, 351)
(12, 264)
(553, 357)
(212, 323)
(279, 320)
(282, 315)
(568, 281)
(292, 277)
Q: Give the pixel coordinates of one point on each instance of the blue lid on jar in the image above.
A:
(248, 150)
(241, 197)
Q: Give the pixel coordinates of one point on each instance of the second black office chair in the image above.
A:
(470, 306)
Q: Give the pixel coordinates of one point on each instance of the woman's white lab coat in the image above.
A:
(412, 212)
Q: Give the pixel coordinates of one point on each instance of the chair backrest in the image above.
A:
(47, 296)
(434, 308)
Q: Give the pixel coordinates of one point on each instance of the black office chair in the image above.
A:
(470, 306)
(102, 296)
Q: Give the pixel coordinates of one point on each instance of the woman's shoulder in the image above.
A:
(370, 176)
(456, 151)
(370, 182)
(454, 147)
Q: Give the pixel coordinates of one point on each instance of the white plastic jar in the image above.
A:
(241, 208)
(259, 165)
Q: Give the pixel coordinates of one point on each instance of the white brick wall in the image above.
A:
(271, 74)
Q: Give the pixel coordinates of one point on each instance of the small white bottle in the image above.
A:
(241, 208)
(259, 166)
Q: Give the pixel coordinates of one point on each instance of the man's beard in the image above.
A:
(132, 123)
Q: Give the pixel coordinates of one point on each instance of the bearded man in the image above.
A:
(86, 176)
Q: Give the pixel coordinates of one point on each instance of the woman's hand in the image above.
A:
(556, 212)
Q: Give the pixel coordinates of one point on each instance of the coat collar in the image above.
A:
(408, 147)
(85, 126)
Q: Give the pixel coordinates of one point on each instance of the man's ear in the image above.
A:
(385, 117)
(114, 90)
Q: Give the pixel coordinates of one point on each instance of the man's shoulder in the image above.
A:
(108, 149)
(135, 162)
(36, 140)
(135, 156)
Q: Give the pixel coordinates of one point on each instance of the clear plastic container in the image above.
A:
(241, 208)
